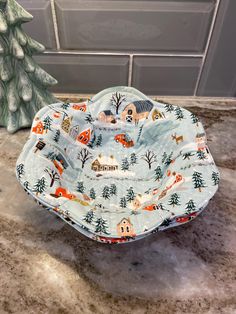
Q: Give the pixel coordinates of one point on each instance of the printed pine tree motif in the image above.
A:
(215, 178)
(20, 170)
(40, 186)
(47, 122)
(23, 84)
(190, 206)
(179, 113)
(169, 108)
(99, 140)
(187, 155)
(198, 181)
(26, 186)
(116, 100)
(113, 189)
(139, 133)
(65, 105)
(133, 159)
(164, 156)
(80, 187)
(92, 194)
(130, 194)
(174, 199)
(89, 217)
(201, 155)
(54, 176)
(158, 173)
(51, 155)
(101, 226)
(106, 192)
(125, 164)
(166, 222)
(123, 202)
(57, 136)
(168, 160)
(89, 118)
(194, 119)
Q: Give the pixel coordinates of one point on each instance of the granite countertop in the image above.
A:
(48, 267)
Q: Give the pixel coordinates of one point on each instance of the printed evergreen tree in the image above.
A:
(26, 186)
(164, 156)
(92, 194)
(101, 226)
(47, 122)
(194, 118)
(139, 133)
(168, 159)
(89, 217)
(187, 155)
(57, 136)
(133, 159)
(130, 195)
(89, 118)
(65, 105)
(190, 206)
(123, 202)
(106, 192)
(99, 140)
(158, 173)
(40, 186)
(201, 155)
(198, 181)
(174, 199)
(80, 187)
(125, 164)
(215, 178)
(113, 189)
(179, 113)
(20, 170)
(166, 222)
(51, 155)
(23, 84)
(169, 107)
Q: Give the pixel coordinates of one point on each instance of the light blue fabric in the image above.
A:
(118, 174)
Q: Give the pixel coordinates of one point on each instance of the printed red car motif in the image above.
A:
(62, 192)
(122, 138)
(81, 107)
(186, 218)
(151, 207)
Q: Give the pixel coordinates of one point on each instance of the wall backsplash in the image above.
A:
(160, 47)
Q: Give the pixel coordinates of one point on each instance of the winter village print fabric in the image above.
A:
(120, 166)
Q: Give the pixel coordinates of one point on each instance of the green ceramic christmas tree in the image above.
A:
(23, 84)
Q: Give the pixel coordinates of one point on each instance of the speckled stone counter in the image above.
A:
(48, 267)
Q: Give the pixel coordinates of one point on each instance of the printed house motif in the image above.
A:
(66, 123)
(106, 116)
(136, 111)
(157, 115)
(103, 163)
(125, 228)
(74, 131)
(201, 141)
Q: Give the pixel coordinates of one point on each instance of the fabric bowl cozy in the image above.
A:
(120, 166)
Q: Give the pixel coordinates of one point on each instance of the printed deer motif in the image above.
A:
(177, 138)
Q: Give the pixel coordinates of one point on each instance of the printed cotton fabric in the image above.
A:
(120, 166)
